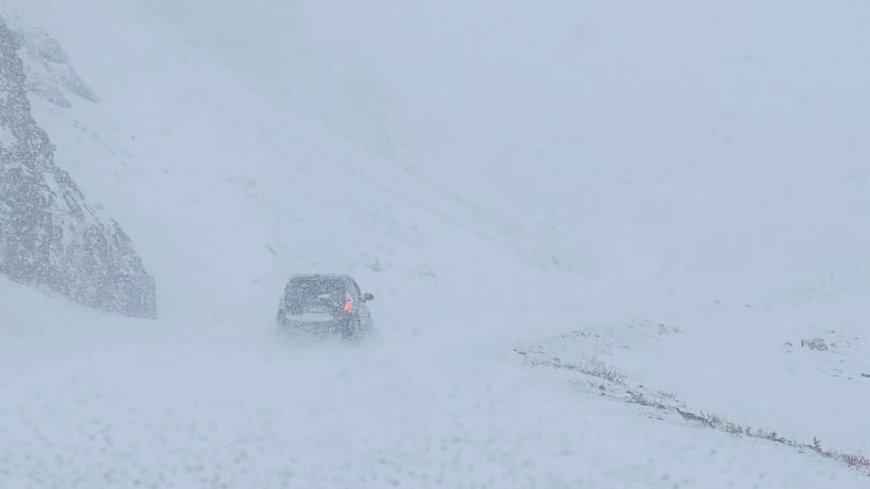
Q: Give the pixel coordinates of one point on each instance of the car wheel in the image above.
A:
(351, 329)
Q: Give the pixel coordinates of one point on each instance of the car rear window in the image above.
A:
(316, 290)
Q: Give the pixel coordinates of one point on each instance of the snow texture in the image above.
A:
(49, 235)
(655, 203)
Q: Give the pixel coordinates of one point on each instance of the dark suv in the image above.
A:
(325, 304)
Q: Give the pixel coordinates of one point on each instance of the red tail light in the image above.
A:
(348, 306)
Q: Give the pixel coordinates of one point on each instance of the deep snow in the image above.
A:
(93, 401)
(497, 176)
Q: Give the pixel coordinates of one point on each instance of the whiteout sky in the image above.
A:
(660, 138)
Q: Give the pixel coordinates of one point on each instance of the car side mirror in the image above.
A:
(368, 297)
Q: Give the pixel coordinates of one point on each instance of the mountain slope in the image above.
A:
(49, 235)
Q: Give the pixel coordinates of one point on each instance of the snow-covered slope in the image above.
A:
(49, 234)
(497, 177)
(247, 190)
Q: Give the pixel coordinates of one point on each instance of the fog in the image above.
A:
(583, 225)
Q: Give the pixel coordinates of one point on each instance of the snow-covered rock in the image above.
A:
(49, 235)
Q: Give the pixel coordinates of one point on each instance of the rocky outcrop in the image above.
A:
(49, 235)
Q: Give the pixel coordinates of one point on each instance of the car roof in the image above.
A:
(324, 276)
(321, 275)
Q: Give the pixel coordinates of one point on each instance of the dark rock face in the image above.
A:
(49, 235)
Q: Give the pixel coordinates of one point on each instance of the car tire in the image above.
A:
(351, 329)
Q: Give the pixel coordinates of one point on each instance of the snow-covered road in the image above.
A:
(87, 400)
